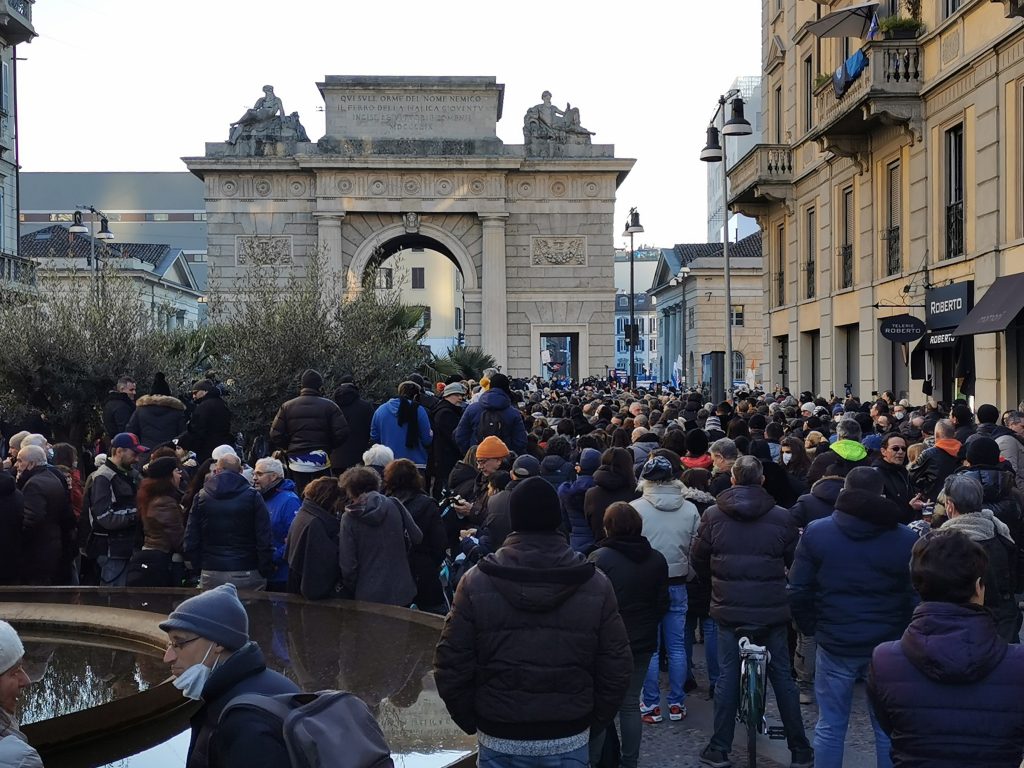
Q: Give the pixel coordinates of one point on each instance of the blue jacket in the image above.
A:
(948, 692)
(513, 429)
(384, 429)
(849, 585)
(571, 494)
(282, 504)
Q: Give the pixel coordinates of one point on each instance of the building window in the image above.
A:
(640, 344)
(736, 315)
(424, 319)
(808, 93)
(780, 265)
(654, 343)
(620, 346)
(458, 318)
(198, 217)
(385, 278)
(62, 217)
(652, 324)
(846, 247)
(811, 263)
(893, 216)
(620, 325)
(951, 7)
(640, 326)
(739, 369)
(623, 302)
(778, 114)
(418, 277)
(691, 318)
(5, 89)
(158, 217)
(954, 192)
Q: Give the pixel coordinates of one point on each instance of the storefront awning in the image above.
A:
(998, 307)
(939, 339)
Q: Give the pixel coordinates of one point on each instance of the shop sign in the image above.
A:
(947, 307)
(902, 329)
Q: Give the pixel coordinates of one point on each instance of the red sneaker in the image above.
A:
(650, 714)
(676, 712)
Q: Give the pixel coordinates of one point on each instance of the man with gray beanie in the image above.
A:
(213, 661)
(15, 751)
(847, 614)
(528, 618)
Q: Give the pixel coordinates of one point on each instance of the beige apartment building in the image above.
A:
(894, 189)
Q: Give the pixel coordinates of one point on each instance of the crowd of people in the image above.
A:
(579, 539)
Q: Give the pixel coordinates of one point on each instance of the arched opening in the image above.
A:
(426, 274)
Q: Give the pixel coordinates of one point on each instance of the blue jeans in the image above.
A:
(727, 691)
(578, 758)
(113, 571)
(710, 646)
(834, 679)
(672, 627)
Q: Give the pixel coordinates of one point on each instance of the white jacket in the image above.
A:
(670, 523)
(15, 753)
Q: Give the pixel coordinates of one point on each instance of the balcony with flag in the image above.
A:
(16, 21)
(761, 177)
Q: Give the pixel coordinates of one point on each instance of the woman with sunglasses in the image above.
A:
(897, 487)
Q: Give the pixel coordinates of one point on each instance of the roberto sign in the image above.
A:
(902, 328)
(947, 307)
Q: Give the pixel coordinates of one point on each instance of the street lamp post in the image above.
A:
(714, 152)
(680, 280)
(632, 227)
(78, 227)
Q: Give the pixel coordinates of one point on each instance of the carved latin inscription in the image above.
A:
(263, 250)
(558, 251)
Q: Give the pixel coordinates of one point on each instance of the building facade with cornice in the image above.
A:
(889, 183)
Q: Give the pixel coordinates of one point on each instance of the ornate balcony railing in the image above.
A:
(761, 174)
(780, 287)
(846, 266)
(16, 21)
(954, 230)
(893, 254)
(17, 270)
(811, 277)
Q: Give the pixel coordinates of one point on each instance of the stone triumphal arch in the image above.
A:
(417, 159)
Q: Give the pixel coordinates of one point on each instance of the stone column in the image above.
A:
(495, 303)
(328, 231)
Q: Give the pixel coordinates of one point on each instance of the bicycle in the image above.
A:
(754, 660)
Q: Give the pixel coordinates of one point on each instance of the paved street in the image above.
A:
(679, 744)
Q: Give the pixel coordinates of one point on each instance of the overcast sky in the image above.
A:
(122, 85)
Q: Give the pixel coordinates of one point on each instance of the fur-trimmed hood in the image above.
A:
(165, 400)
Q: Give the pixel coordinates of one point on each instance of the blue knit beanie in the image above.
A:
(216, 615)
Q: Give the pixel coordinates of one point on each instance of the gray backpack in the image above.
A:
(327, 728)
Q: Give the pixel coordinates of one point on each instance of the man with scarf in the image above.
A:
(403, 425)
(848, 616)
(938, 462)
(14, 747)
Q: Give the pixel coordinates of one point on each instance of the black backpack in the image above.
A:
(490, 423)
(327, 728)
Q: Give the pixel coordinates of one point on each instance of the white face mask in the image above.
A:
(787, 457)
(192, 681)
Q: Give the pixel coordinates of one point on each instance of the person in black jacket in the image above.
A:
(210, 424)
(214, 661)
(534, 650)
(308, 428)
(937, 463)
(47, 527)
(118, 408)
(613, 481)
(404, 483)
(639, 576)
(12, 509)
(228, 535)
(896, 479)
(157, 419)
(110, 519)
(313, 542)
(444, 418)
(744, 545)
(358, 413)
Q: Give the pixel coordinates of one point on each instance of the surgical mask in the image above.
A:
(900, 415)
(192, 681)
(787, 457)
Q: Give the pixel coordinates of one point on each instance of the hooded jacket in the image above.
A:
(313, 552)
(948, 692)
(426, 557)
(639, 576)
(307, 423)
(534, 646)
(608, 488)
(556, 470)
(157, 420)
(384, 429)
(670, 525)
(999, 495)
(209, 426)
(358, 413)
(513, 429)
(228, 527)
(934, 465)
(372, 550)
(282, 505)
(744, 545)
(641, 452)
(819, 503)
(849, 586)
(839, 459)
(117, 410)
(1010, 448)
(572, 495)
(1004, 566)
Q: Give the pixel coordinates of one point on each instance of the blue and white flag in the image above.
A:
(873, 29)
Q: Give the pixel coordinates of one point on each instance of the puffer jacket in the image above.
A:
(445, 420)
(117, 410)
(1011, 448)
(608, 488)
(572, 496)
(228, 527)
(670, 525)
(999, 495)
(157, 420)
(358, 413)
(948, 692)
(641, 452)
(534, 646)
(839, 459)
(639, 576)
(934, 466)
(744, 545)
(513, 429)
(850, 616)
(209, 426)
(556, 470)
(307, 423)
(372, 550)
(818, 503)
(384, 429)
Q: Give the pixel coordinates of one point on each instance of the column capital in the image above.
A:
(328, 215)
(493, 219)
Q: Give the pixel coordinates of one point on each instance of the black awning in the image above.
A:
(939, 339)
(999, 306)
